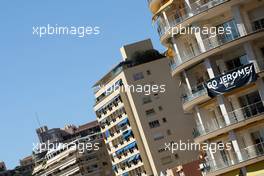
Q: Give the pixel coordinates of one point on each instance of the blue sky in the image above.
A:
(53, 76)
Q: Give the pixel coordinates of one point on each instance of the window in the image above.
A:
(161, 150)
(150, 112)
(148, 72)
(164, 120)
(156, 95)
(262, 50)
(158, 136)
(138, 76)
(259, 24)
(154, 124)
(236, 62)
(251, 104)
(166, 160)
(146, 100)
(176, 156)
(160, 108)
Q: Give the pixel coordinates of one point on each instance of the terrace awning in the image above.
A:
(123, 122)
(126, 134)
(130, 146)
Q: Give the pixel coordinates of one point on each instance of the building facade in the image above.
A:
(82, 152)
(212, 67)
(137, 121)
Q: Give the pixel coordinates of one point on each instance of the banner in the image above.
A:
(233, 79)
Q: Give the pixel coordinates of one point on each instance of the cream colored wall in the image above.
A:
(181, 125)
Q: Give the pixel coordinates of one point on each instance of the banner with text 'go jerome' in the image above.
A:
(232, 79)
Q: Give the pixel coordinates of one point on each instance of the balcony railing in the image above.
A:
(196, 92)
(182, 14)
(212, 42)
(247, 153)
(236, 116)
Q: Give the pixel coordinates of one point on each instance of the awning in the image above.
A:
(107, 134)
(118, 152)
(126, 134)
(135, 157)
(130, 146)
(125, 174)
(114, 168)
(123, 122)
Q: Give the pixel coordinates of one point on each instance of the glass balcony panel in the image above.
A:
(195, 8)
(238, 115)
(196, 92)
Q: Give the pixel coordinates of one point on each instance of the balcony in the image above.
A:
(183, 14)
(238, 118)
(198, 95)
(250, 155)
(211, 43)
(216, 44)
(155, 5)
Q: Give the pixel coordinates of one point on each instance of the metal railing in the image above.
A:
(182, 14)
(238, 115)
(246, 153)
(212, 42)
(197, 91)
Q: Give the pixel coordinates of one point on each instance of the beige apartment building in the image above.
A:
(80, 152)
(137, 123)
(222, 76)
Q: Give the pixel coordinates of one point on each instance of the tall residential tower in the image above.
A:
(221, 74)
(138, 109)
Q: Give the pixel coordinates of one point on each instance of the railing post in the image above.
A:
(239, 20)
(233, 139)
(251, 57)
(198, 113)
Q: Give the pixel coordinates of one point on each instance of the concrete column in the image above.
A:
(198, 113)
(238, 113)
(211, 156)
(187, 82)
(177, 57)
(166, 20)
(248, 47)
(260, 86)
(209, 68)
(250, 151)
(239, 20)
(233, 139)
(187, 2)
(222, 104)
(200, 42)
(222, 66)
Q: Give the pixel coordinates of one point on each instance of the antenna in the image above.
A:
(37, 118)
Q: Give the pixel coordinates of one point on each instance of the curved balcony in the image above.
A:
(181, 15)
(155, 5)
(214, 45)
(250, 155)
(238, 118)
(198, 95)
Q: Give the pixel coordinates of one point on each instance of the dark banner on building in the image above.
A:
(231, 80)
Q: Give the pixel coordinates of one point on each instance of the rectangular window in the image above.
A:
(150, 112)
(154, 124)
(148, 72)
(166, 160)
(146, 100)
(138, 76)
(259, 24)
(158, 136)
